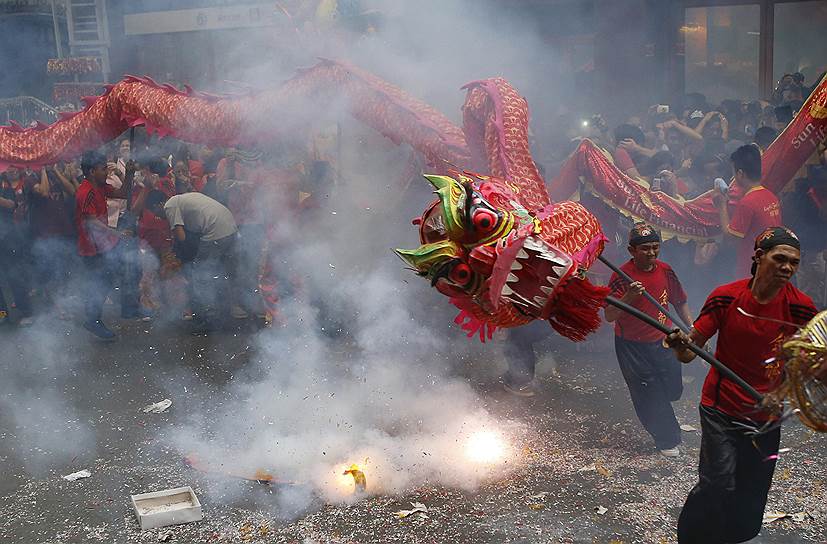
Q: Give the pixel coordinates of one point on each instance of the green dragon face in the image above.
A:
(450, 229)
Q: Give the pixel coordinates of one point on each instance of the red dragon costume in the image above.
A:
(495, 244)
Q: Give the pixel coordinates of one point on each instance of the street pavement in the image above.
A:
(586, 472)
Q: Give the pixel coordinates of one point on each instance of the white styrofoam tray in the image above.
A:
(168, 507)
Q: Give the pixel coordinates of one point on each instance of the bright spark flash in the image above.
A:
(486, 447)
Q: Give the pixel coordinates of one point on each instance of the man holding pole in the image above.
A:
(752, 317)
(651, 372)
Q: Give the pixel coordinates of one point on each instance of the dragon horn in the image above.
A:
(439, 182)
(426, 256)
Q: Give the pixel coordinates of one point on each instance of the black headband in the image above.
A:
(642, 233)
(771, 237)
(776, 236)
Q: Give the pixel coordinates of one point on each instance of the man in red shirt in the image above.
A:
(651, 372)
(736, 466)
(98, 244)
(756, 210)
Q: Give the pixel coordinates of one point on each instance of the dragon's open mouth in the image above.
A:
(526, 273)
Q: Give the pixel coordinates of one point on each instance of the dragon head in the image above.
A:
(483, 249)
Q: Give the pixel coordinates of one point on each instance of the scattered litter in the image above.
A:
(168, 507)
(597, 467)
(77, 475)
(418, 508)
(541, 496)
(800, 517)
(600, 510)
(331, 265)
(689, 428)
(769, 517)
(158, 407)
(165, 536)
(536, 505)
(785, 474)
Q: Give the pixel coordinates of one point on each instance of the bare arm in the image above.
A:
(179, 233)
(68, 187)
(633, 293)
(679, 341)
(685, 130)
(684, 313)
(42, 187)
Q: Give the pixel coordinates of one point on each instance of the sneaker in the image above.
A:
(25, 322)
(99, 329)
(526, 390)
(671, 452)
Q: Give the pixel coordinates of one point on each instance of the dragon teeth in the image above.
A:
(540, 301)
(521, 254)
(506, 291)
(516, 265)
(546, 290)
(551, 280)
(512, 278)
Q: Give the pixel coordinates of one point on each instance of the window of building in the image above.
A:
(799, 44)
(722, 50)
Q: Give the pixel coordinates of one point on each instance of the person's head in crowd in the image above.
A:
(707, 167)
(783, 116)
(777, 255)
(733, 111)
(751, 114)
(183, 153)
(694, 102)
(94, 167)
(714, 128)
(660, 161)
(746, 165)
(694, 118)
(155, 201)
(644, 245)
(12, 174)
(629, 132)
(183, 180)
(210, 161)
(764, 136)
(124, 149)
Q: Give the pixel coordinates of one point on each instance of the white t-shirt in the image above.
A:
(115, 206)
(197, 212)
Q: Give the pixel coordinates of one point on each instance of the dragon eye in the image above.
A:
(460, 274)
(484, 220)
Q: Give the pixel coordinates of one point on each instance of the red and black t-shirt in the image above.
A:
(757, 210)
(153, 229)
(746, 343)
(662, 283)
(90, 203)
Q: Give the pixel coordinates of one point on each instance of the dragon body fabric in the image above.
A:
(496, 244)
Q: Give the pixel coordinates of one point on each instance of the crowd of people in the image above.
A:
(684, 150)
(180, 231)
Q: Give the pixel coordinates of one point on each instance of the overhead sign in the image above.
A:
(188, 20)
